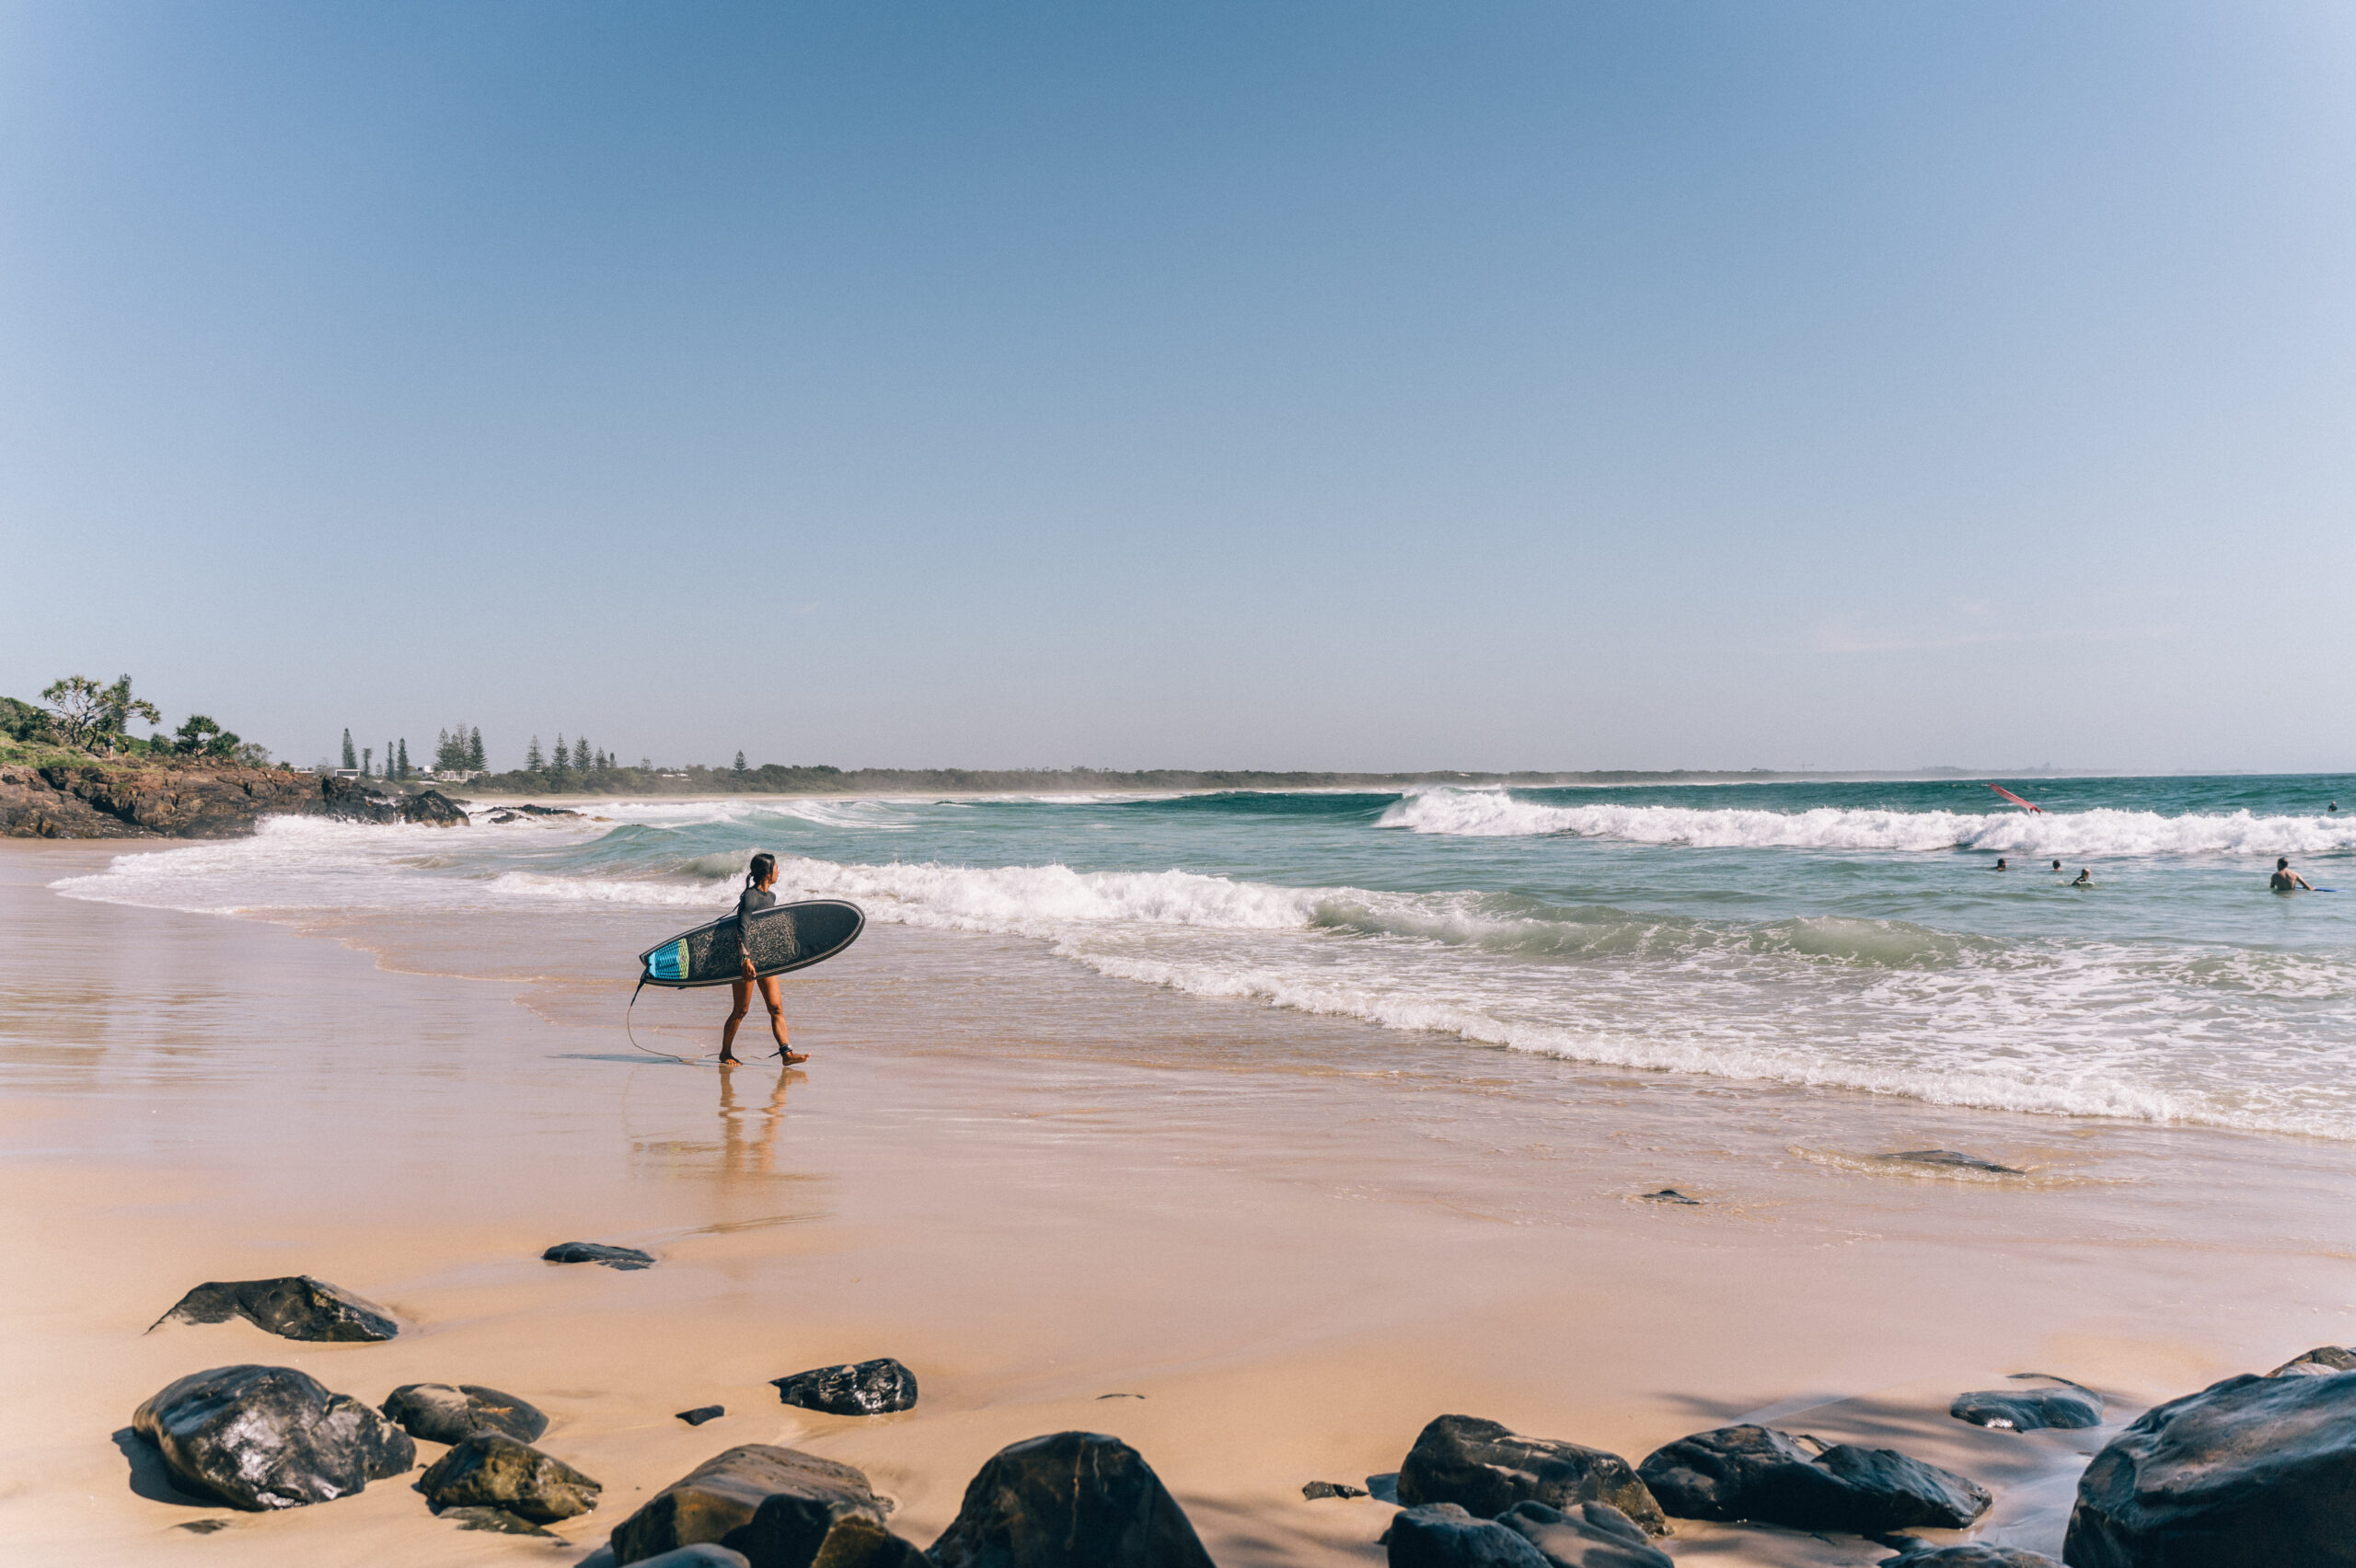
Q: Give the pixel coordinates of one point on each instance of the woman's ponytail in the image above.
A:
(758, 871)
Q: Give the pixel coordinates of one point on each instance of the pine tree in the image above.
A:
(388, 759)
(560, 763)
(580, 754)
(533, 761)
(474, 749)
(351, 757)
(740, 762)
(367, 755)
(404, 773)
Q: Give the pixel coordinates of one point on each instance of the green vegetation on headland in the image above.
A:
(83, 721)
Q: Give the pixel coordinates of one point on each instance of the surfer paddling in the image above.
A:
(2285, 880)
(759, 877)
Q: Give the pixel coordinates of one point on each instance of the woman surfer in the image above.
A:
(759, 878)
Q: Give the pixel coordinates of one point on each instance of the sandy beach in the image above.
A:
(1263, 1247)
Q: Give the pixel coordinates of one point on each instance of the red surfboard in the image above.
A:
(2015, 799)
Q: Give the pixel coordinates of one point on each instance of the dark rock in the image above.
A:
(186, 798)
(439, 1413)
(862, 1388)
(269, 1437)
(349, 799)
(202, 1526)
(2320, 1362)
(1072, 1500)
(789, 1532)
(495, 1520)
(703, 1554)
(2028, 1410)
(1950, 1157)
(1670, 1195)
(702, 1413)
(297, 1308)
(719, 1500)
(1969, 1555)
(599, 1252)
(491, 1469)
(1593, 1534)
(1442, 1535)
(1488, 1469)
(1317, 1489)
(2248, 1472)
(1751, 1472)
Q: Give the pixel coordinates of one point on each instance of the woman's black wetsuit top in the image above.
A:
(755, 898)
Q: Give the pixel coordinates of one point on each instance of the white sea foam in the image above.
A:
(1494, 814)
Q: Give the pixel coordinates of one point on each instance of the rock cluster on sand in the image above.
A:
(860, 1388)
(599, 1252)
(1071, 1500)
(491, 1469)
(1528, 1535)
(779, 1508)
(1486, 1469)
(1754, 1473)
(2316, 1362)
(1315, 1490)
(265, 1437)
(439, 1413)
(297, 1308)
(2029, 1409)
(2248, 1472)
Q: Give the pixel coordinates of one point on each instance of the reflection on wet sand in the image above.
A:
(748, 1135)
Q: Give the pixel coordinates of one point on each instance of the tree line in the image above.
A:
(78, 713)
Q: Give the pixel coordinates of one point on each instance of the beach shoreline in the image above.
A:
(1299, 1238)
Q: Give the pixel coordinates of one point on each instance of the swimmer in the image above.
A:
(2086, 876)
(2057, 865)
(2285, 880)
(1999, 864)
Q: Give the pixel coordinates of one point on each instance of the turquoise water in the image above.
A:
(1840, 934)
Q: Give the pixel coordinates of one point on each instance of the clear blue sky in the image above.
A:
(1265, 384)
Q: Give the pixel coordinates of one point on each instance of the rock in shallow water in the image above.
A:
(1948, 1157)
(1488, 1469)
(1070, 1500)
(1969, 1555)
(296, 1307)
(491, 1469)
(860, 1388)
(441, 1413)
(1593, 1534)
(599, 1252)
(2029, 1409)
(263, 1438)
(1752, 1473)
(1442, 1535)
(778, 1506)
(2251, 1472)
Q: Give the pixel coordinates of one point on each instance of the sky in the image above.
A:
(1704, 383)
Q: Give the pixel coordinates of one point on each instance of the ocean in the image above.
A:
(1848, 936)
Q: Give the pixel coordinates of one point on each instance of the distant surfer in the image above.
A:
(2000, 865)
(759, 877)
(2057, 865)
(2285, 880)
(2085, 877)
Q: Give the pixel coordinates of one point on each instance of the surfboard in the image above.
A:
(2017, 800)
(784, 936)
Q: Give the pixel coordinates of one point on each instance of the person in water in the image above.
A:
(1999, 864)
(2085, 877)
(759, 877)
(2285, 880)
(2057, 865)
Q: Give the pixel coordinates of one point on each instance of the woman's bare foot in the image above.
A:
(793, 1058)
(732, 1061)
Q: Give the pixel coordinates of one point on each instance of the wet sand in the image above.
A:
(1284, 1243)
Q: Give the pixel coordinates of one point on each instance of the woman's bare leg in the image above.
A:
(775, 996)
(742, 990)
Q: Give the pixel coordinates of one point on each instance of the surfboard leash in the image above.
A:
(633, 1038)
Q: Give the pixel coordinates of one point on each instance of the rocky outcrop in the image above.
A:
(1072, 1500)
(190, 797)
(2248, 1472)
(2320, 1362)
(296, 1306)
(1969, 1555)
(862, 1388)
(1752, 1473)
(1488, 1469)
(599, 1252)
(2028, 1410)
(491, 1470)
(778, 1506)
(1442, 1535)
(263, 1438)
(439, 1413)
(1593, 1534)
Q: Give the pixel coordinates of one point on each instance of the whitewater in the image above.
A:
(1842, 936)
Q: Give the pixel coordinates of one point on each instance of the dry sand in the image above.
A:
(1262, 1248)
